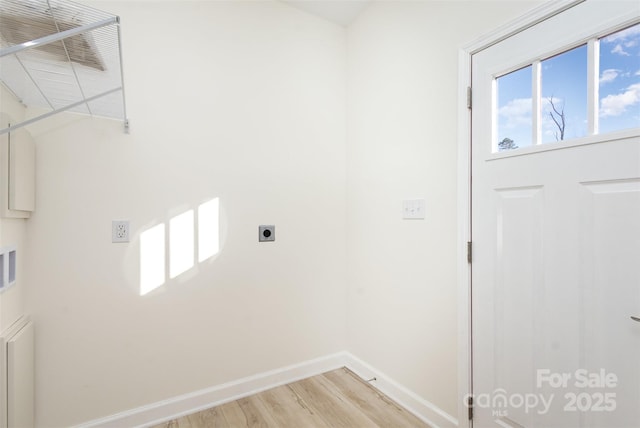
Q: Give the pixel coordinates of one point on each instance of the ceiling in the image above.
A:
(341, 12)
(84, 74)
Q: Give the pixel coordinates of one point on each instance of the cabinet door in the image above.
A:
(20, 378)
(22, 155)
(17, 172)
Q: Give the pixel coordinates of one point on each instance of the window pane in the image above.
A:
(513, 118)
(620, 80)
(563, 101)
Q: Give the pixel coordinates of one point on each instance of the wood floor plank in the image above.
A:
(377, 406)
(169, 424)
(257, 414)
(233, 414)
(207, 418)
(289, 410)
(337, 399)
(334, 409)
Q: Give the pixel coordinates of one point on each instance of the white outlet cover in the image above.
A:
(120, 231)
(413, 209)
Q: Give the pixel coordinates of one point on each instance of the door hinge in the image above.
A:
(470, 407)
(469, 252)
(469, 97)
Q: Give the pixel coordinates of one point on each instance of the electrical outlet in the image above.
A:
(120, 231)
(266, 233)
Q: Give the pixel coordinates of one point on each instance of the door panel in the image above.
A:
(611, 210)
(556, 269)
(519, 216)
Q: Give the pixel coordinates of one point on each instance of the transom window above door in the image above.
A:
(589, 89)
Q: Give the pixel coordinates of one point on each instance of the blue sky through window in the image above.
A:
(564, 77)
(513, 94)
(619, 106)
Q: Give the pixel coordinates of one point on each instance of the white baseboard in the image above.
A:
(199, 400)
(423, 409)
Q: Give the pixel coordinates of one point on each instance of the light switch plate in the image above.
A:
(413, 209)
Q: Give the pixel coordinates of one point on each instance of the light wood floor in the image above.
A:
(335, 399)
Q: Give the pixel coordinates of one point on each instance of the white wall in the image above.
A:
(13, 232)
(402, 144)
(244, 101)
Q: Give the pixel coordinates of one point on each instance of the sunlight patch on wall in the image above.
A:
(152, 259)
(181, 244)
(191, 235)
(208, 229)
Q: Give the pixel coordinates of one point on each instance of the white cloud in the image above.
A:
(609, 75)
(623, 35)
(619, 50)
(637, 73)
(615, 105)
(516, 113)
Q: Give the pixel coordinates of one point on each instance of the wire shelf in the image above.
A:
(61, 56)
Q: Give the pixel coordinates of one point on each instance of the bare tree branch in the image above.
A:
(559, 123)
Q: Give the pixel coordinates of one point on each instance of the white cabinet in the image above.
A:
(17, 382)
(17, 172)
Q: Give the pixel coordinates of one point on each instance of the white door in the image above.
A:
(556, 224)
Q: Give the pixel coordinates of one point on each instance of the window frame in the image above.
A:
(593, 136)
